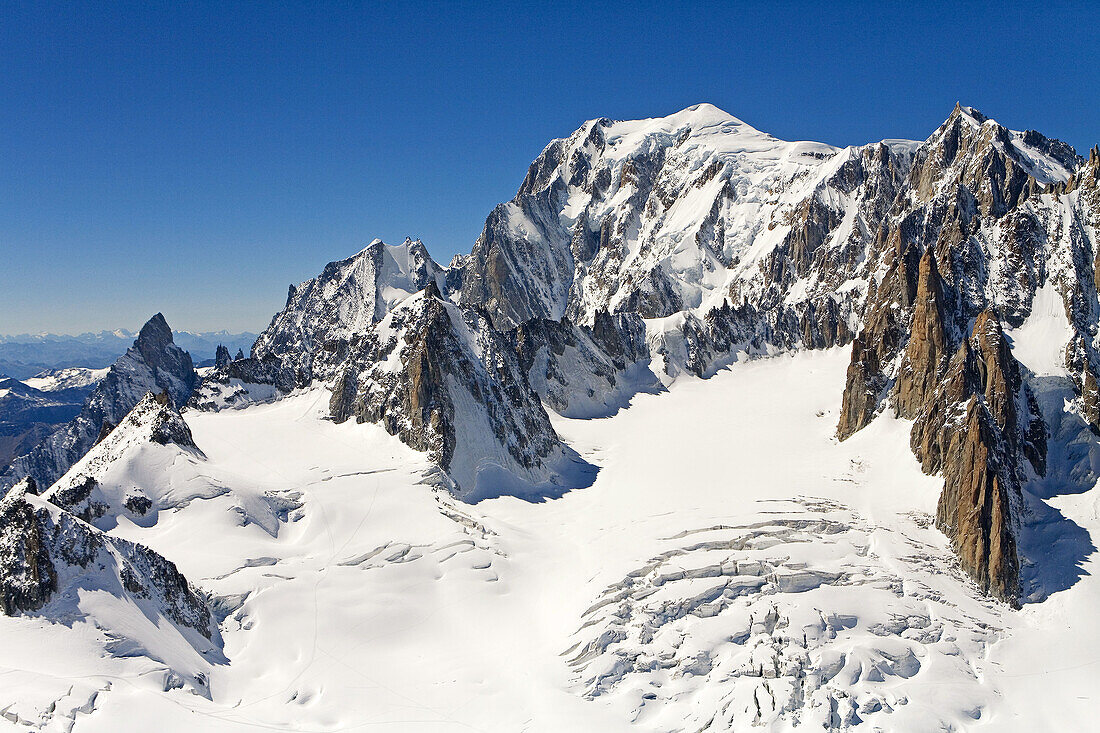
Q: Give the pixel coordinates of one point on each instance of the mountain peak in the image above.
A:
(153, 364)
(704, 116)
(155, 332)
(970, 114)
(346, 299)
(1048, 160)
(705, 109)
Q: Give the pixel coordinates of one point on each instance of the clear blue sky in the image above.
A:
(195, 158)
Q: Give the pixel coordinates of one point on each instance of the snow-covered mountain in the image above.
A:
(651, 216)
(560, 485)
(153, 364)
(60, 570)
(446, 382)
(345, 300)
(72, 380)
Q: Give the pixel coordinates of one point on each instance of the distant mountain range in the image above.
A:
(25, 355)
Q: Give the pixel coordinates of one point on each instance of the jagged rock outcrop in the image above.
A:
(975, 508)
(221, 357)
(242, 382)
(976, 213)
(582, 371)
(446, 382)
(977, 427)
(47, 555)
(309, 336)
(925, 353)
(153, 364)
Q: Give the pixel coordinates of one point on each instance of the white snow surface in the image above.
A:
(129, 464)
(1040, 341)
(727, 587)
(53, 380)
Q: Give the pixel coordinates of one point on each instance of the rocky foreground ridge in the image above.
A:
(49, 558)
(635, 252)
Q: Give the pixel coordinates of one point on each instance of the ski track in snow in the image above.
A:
(728, 588)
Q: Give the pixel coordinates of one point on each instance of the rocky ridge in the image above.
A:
(154, 421)
(345, 300)
(47, 555)
(980, 229)
(446, 382)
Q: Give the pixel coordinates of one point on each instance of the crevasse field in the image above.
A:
(732, 566)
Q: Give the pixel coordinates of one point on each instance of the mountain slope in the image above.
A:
(56, 567)
(446, 382)
(645, 216)
(149, 465)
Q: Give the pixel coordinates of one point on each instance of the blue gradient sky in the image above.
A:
(196, 158)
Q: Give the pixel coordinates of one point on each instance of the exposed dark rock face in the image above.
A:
(976, 213)
(46, 552)
(27, 575)
(153, 364)
(974, 509)
(581, 371)
(166, 425)
(446, 382)
(79, 498)
(927, 348)
(234, 384)
(221, 357)
(977, 427)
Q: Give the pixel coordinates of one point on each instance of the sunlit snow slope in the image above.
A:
(733, 586)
